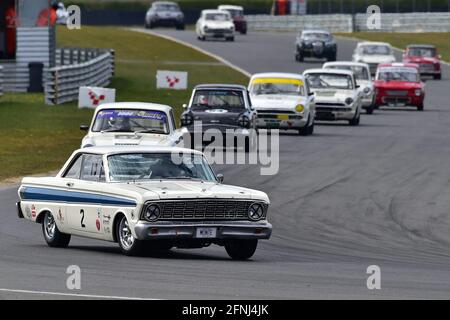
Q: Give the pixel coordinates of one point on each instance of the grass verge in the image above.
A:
(401, 40)
(37, 138)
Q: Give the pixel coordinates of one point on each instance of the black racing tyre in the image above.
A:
(180, 27)
(369, 110)
(231, 39)
(241, 249)
(420, 107)
(128, 244)
(355, 121)
(437, 77)
(52, 235)
(311, 129)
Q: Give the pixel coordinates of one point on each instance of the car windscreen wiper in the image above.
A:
(182, 178)
(114, 130)
(150, 131)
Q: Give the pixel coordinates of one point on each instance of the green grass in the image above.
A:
(401, 40)
(36, 138)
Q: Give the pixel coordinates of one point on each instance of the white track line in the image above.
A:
(72, 294)
(189, 45)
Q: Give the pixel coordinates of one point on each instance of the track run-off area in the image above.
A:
(344, 199)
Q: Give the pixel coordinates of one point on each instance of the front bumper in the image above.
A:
(333, 113)
(281, 119)
(219, 33)
(188, 230)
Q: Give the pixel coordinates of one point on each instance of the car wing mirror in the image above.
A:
(84, 127)
(220, 178)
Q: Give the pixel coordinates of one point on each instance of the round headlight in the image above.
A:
(299, 108)
(366, 90)
(152, 212)
(349, 101)
(418, 92)
(256, 212)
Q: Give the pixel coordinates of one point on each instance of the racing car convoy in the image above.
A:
(132, 184)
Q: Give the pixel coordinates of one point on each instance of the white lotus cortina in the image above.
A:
(215, 24)
(337, 96)
(363, 79)
(145, 197)
(132, 124)
(373, 53)
(282, 101)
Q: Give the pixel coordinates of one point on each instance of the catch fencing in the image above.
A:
(77, 67)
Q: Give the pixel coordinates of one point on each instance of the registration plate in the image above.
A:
(283, 117)
(206, 232)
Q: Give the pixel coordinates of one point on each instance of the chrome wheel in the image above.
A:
(125, 235)
(49, 226)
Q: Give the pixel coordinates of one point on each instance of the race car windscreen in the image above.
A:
(121, 120)
(330, 81)
(398, 74)
(217, 17)
(167, 7)
(374, 50)
(361, 73)
(422, 52)
(158, 166)
(316, 36)
(271, 86)
(218, 99)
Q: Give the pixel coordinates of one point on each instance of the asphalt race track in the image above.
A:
(344, 199)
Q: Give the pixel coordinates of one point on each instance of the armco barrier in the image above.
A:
(77, 67)
(390, 22)
(1, 81)
(334, 22)
(408, 22)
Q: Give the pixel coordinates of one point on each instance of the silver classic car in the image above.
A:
(145, 198)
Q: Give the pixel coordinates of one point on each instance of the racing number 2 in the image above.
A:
(82, 218)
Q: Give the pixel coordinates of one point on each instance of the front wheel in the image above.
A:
(52, 235)
(128, 244)
(437, 76)
(355, 121)
(420, 107)
(241, 249)
(231, 39)
(369, 110)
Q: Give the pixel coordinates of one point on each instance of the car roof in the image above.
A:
(315, 31)
(135, 105)
(214, 11)
(421, 46)
(109, 150)
(373, 43)
(330, 71)
(298, 76)
(228, 6)
(164, 2)
(220, 86)
(346, 63)
(399, 65)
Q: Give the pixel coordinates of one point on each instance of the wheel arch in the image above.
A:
(115, 224)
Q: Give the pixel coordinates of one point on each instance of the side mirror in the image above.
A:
(311, 94)
(184, 106)
(358, 86)
(220, 178)
(84, 127)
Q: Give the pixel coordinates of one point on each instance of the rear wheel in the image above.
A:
(241, 249)
(128, 244)
(52, 235)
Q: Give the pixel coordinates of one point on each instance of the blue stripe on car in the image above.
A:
(57, 195)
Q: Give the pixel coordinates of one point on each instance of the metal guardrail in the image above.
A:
(77, 68)
(334, 22)
(408, 22)
(390, 22)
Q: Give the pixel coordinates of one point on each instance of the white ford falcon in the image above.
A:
(145, 198)
(373, 53)
(132, 124)
(215, 24)
(282, 101)
(363, 79)
(337, 95)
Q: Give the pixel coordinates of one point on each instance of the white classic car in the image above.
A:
(363, 79)
(130, 124)
(145, 198)
(337, 95)
(282, 101)
(373, 53)
(215, 24)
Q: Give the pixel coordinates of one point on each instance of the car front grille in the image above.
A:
(337, 109)
(275, 112)
(398, 93)
(426, 67)
(208, 209)
(329, 104)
